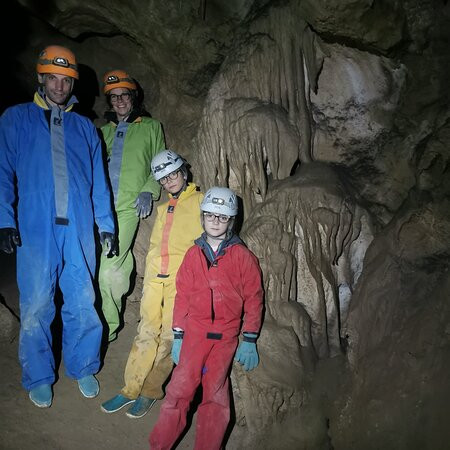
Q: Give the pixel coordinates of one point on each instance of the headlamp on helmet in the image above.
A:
(220, 200)
(117, 79)
(166, 162)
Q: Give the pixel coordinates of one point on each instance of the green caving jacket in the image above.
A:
(143, 140)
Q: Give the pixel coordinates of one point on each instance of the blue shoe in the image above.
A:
(140, 407)
(41, 396)
(89, 386)
(115, 403)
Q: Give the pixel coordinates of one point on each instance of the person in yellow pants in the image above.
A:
(176, 227)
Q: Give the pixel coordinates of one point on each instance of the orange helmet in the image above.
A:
(117, 79)
(56, 59)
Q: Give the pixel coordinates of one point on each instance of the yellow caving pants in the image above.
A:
(149, 362)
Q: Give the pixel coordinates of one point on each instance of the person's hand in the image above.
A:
(143, 205)
(9, 238)
(108, 243)
(246, 353)
(176, 346)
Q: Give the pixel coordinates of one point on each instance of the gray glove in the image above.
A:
(143, 205)
(108, 243)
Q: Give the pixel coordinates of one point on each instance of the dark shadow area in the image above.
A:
(7, 267)
(189, 173)
(295, 167)
(56, 329)
(8, 286)
(140, 100)
(86, 90)
(14, 90)
(239, 220)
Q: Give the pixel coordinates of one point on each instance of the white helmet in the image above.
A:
(166, 162)
(220, 200)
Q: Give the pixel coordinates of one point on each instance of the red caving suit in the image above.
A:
(213, 291)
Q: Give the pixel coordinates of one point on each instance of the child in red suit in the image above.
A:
(218, 281)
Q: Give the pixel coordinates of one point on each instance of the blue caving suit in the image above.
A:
(61, 186)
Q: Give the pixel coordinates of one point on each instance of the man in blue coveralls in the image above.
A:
(52, 159)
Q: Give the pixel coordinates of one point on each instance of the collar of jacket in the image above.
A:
(189, 188)
(208, 251)
(134, 116)
(39, 99)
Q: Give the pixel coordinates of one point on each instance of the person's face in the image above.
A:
(173, 186)
(57, 87)
(213, 227)
(121, 102)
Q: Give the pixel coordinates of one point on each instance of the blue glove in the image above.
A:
(9, 238)
(143, 205)
(176, 346)
(246, 353)
(108, 243)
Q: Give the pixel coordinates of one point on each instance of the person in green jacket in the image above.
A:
(131, 142)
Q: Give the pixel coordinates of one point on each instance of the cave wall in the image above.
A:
(331, 121)
(292, 94)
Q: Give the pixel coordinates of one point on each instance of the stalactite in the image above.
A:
(262, 95)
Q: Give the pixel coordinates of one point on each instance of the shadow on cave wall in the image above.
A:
(86, 91)
(14, 89)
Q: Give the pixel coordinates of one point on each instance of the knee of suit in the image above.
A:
(32, 316)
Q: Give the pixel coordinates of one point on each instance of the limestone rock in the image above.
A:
(376, 25)
(353, 110)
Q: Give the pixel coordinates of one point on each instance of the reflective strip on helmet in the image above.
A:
(161, 166)
(113, 79)
(58, 61)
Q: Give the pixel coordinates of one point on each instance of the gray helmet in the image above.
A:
(220, 200)
(166, 162)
